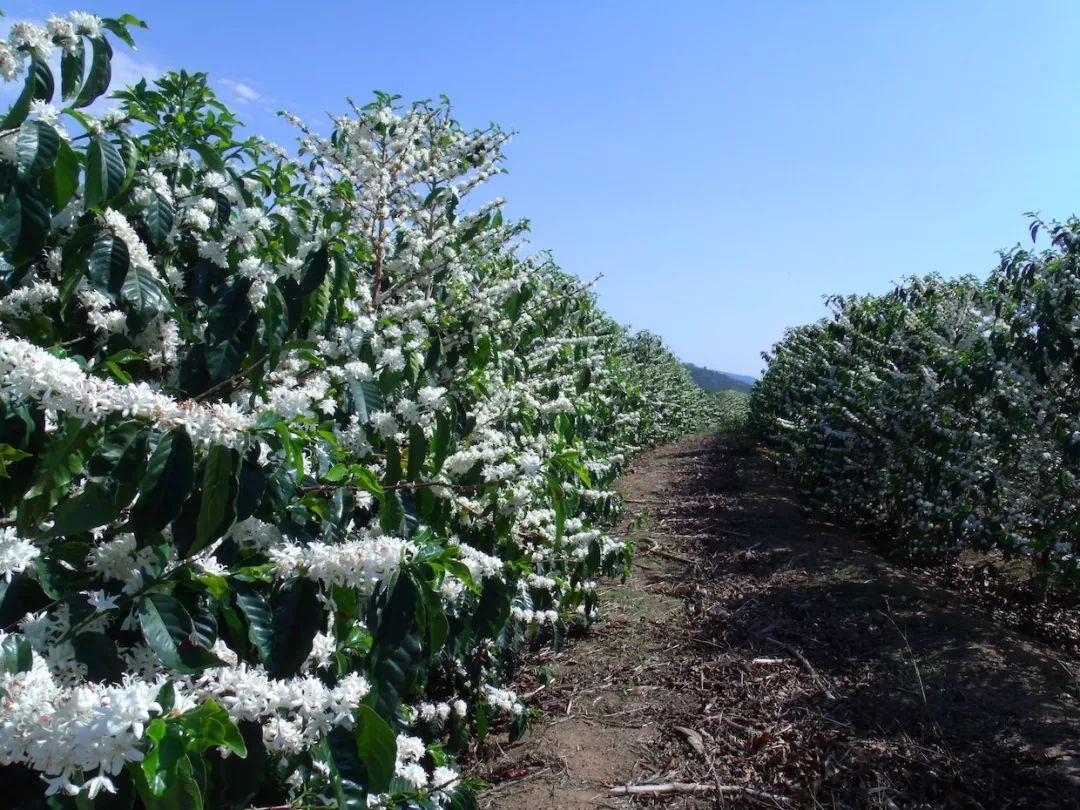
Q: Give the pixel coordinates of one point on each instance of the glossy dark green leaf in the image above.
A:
(170, 633)
(251, 484)
(144, 292)
(105, 171)
(393, 673)
(72, 67)
(121, 451)
(313, 273)
(376, 746)
(440, 441)
(275, 321)
(298, 616)
(37, 85)
(393, 463)
(36, 147)
(392, 513)
(95, 506)
(418, 446)
(260, 621)
(15, 655)
(24, 222)
(230, 327)
(109, 264)
(158, 215)
(98, 653)
(396, 618)
(64, 176)
(493, 608)
(218, 493)
(169, 479)
(100, 73)
(239, 780)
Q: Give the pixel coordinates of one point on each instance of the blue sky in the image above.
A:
(723, 165)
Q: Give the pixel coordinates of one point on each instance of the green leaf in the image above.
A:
(276, 322)
(144, 292)
(129, 153)
(366, 479)
(391, 513)
(251, 485)
(169, 479)
(493, 609)
(65, 176)
(105, 171)
(239, 780)
(260, 621)
(436, 625)
(209, 726)
(119, 26)
(376, 747)
(24, 222)
(314, 270)
(367, 398)
(161, 762)
(165, 779)
(218, 491)
(38, 85)
(15, 654)
(10, 455)
(95, 506)
(393, 463)
(158, 215)
(397, 614)
(36, 147)
(417, 452)
(170, 632)
(72, 67)
(97, 81)
(441, 440)
(109, 264)
(393, 673)
(122, 450)
(297, 618)
(98, 653)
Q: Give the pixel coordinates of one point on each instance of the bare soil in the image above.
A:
(760, 657)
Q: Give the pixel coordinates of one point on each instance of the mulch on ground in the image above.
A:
(762, 657)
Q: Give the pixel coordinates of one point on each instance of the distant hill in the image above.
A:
(719, 380)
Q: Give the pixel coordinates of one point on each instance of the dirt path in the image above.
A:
(776, 661)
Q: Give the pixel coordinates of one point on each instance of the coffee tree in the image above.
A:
(299, 451)
(945, 414)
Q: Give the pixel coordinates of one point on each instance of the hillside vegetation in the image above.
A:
(718, 380)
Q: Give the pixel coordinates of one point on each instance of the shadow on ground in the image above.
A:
(783, 660)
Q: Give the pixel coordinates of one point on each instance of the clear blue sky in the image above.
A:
(723, 165)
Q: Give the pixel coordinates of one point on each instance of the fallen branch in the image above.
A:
(668, 555)
(805, 664)
(669, 788)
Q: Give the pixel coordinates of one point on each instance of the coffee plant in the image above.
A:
(945, 414)
(299, 451)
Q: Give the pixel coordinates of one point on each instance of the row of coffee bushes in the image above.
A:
(946, 413)
(297, 447)
(675, 405)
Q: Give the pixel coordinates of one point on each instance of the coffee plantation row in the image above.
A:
(946, 414)
(299, 450)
